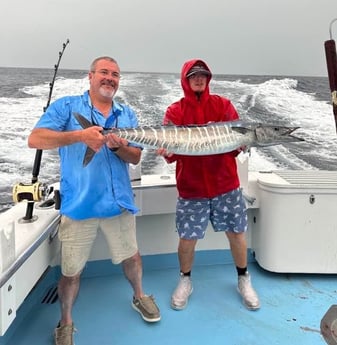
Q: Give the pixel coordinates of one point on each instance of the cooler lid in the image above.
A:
(321, 179)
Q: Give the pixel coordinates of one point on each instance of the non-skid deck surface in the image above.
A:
(291, 309)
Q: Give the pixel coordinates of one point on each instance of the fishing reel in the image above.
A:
(31, 192)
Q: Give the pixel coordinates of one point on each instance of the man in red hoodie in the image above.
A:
(208, 186)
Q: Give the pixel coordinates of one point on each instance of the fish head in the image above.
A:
(273, 135)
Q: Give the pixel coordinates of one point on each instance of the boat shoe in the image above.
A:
(63, 335)
(147, 308)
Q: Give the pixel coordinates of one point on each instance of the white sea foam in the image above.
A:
(275, 100)
(286, 105)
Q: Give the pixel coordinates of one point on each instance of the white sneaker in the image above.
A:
(180, 295)
(246, 290)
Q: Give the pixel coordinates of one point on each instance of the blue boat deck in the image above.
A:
(292, 306)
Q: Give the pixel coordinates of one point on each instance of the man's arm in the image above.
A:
(44, 139)
(119, 146)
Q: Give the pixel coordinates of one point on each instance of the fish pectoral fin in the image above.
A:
(241, 130)
(89, 154)
(82, 120)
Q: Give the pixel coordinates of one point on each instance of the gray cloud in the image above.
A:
(275, 37)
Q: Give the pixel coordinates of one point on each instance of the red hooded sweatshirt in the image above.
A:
(202, 176)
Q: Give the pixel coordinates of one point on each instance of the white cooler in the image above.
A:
(294, 229)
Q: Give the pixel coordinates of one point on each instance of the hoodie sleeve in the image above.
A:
(169, 119)
(230, 111)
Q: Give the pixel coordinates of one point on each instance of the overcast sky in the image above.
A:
(273, 37)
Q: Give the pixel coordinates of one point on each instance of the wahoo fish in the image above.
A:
(196, 140)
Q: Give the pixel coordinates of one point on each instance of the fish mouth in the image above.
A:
(288, 132)
(266, 135)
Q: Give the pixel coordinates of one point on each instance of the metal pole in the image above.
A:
(331, 62)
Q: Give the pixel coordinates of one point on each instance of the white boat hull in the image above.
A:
(291, 221)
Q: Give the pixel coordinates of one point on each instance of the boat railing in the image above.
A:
(22, 258)
(27, 250)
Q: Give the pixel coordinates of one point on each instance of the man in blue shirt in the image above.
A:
(98, 196)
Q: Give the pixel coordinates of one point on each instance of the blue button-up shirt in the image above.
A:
(103, 187)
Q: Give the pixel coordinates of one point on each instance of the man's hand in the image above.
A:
(93, 137)
(243, 149)
(163, 152)
(113, 141)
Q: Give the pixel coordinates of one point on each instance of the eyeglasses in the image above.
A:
(105, 73)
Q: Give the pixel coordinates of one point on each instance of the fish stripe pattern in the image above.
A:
(194, 140)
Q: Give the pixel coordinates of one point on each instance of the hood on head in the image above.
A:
(191, 67)
(200, 69)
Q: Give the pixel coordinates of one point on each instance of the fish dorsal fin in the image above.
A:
(89, 154)
(83, 121)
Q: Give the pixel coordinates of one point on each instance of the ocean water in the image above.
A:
(290, 100)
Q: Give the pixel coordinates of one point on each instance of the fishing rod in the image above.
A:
(38, 155)
(37, 191)
(331, 61)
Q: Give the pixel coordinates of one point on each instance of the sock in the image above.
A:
(185, 274)
(241, 271)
